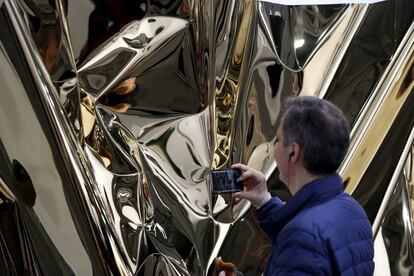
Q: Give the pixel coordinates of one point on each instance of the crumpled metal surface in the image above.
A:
(114, 113)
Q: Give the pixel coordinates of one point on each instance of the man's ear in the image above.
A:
(295, 152)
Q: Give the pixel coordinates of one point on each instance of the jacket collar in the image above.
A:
(317, 190)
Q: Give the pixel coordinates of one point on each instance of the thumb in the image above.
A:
(243, 195)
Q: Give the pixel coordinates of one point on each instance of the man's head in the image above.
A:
(316, 128)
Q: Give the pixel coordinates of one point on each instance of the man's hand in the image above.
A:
(255, 189)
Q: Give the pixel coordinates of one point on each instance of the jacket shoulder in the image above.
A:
(343, 229)
(320, 217)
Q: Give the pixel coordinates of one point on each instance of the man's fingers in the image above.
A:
(239, 195)
(246, 175)
(240, 166)
(243, 195)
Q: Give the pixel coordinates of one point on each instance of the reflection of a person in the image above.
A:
(321, 230)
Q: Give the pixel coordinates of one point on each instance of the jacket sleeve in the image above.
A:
(300, 253)
(267, 213)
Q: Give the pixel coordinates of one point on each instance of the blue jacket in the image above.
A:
(320, 231)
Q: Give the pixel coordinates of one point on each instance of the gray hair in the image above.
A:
(321, 130)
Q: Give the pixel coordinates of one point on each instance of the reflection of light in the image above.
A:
(299, 43)
(131, 214)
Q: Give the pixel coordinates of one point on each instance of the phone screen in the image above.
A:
(225, 181)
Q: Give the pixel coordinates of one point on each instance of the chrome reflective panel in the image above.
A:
(395, 219)
(130, 104)
(397, 228)
(37, 234)
(299, 31)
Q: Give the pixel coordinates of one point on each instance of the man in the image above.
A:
(321, 230)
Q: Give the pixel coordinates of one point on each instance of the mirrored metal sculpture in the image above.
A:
(113, 113)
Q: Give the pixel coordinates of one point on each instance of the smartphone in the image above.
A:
(226, 181)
